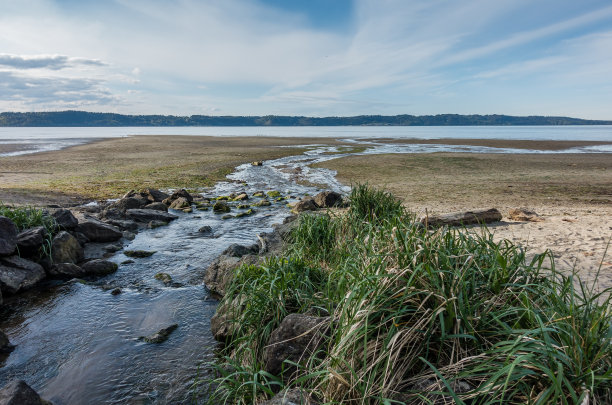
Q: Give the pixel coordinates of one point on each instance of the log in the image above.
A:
(463, 218)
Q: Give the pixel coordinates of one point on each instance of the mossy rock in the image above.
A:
(160, 336)
(222, 198)
(202, 208)
(164, 278)
(280, 199)
(220, 206)
(259, 194)
(188, 210)
(273, 194)
(128, 261)
(263, 203)
(138, 253)
(242, 206)
(227, 216)
(245, 213)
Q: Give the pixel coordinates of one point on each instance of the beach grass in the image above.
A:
(418, 316)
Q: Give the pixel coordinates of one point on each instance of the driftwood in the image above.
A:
(463, 218)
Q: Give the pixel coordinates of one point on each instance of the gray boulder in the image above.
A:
(17, 392)
(220, 206)
(154, 195)
(146, 215)
(97, 231)
(224, 322)
(8, 236)
(328, 199)
(159, 206)
(98, 267)
(5, 344)
(66, 270)
(304, 205)
(297, 338)
(125, 225)
(127, 203)
(31, 240)
(17, 274)
(180, 203)
(66, 248)
(221, 271)
(237, 250)
(178, 194)
(65, 219)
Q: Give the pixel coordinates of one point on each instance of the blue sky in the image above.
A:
(310, 57)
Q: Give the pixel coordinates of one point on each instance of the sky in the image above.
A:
(309, 57)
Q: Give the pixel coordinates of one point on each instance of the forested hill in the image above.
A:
(89, 119)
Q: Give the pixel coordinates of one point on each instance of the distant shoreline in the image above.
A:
(93, 119)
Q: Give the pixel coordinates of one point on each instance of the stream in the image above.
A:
(76, 343)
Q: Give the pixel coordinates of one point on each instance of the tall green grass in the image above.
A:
(29, 217)
(421, 316)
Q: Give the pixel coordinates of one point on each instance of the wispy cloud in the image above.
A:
(53, 62)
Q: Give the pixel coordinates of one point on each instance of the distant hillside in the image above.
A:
(89, 119)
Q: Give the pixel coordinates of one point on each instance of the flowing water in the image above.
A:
(77, 343)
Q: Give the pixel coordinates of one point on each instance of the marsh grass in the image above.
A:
(420, 316)
(29, 217)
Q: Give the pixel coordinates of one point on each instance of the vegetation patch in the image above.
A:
(417, 316)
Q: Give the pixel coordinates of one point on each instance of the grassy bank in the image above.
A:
(418, 316)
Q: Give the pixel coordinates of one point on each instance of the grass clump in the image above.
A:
(420, 316)
(30, 217)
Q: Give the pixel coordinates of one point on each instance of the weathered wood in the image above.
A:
(463, 218)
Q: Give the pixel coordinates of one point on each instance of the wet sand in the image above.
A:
(501, 143)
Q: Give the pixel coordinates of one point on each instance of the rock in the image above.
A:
(17, 274)
(273, 194)
(5, 344)
(257, 163)
(223, 324)
(221, 271)
(146, 215)
(65, 219)
(80, 237)
(17, 392)
(291, 396)
(95, 251)
(164, 278)
(159, 206)
(66, 270)
(116, 291)
(245, 213)
(463, 218)
(187, 210)
(112, 214)
(129, 235)
(124, 225)
(127, 203)
(8, 236)
(160, 336)
(243, 206)
(221, 207)
(139, 253)
(297, 338)
(98, 267)
(31, 240)
(178, 194)
(241, 197)
(524, 214)
(180, 203)
(328, 199)
(154, 195)
(259, 194)
(128, 261)
(206, 229)
(114, 247)
(156, 224)
(236, 250)
(65, 248)
(304, 205)
(227, 216)
(97, 231)
(262, 203)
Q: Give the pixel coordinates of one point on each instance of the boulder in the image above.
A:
(139, 253)
(8, 236)
(328, 199)
(66, 248)
(297, 338)
(524, 215)
(291, 396)
(31, 240)
(257, 163)
(65, 219)
(66, 270)
(206, 230)
(156, 224)
(161, 336)
(124, 225)
(221, 271)
(463, 218)
(17, 392)
(146, 215)
(304, 205)
(17, 274)
(241, 197)
(154, 195)
(178, 194)
(127, 203)
(180, 203)
(237, 250)
(80, 237)
(220, 206)
(112, 214)
(97, 231)
(5, 344)
(164, 278)
(159, 206)
(98, 267)
(223, 324)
